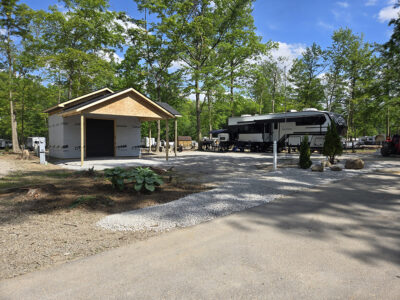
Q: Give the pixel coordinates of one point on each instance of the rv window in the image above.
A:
(313, 120)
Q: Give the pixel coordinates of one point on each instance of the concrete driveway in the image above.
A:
(340, 241)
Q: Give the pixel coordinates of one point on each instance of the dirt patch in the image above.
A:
(48, 214)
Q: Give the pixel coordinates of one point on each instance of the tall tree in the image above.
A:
(14, 20)
(240, 44)
(80, 42)
(335, 84)
(197, 28)
(304, 74)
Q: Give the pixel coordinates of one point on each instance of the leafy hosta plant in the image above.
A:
(117, 177)
(145, 178)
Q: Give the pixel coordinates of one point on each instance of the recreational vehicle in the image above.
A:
(258, 132)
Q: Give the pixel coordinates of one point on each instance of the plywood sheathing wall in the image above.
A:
(131, 106)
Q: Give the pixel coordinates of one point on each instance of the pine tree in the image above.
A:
(332, 145)
(305, 153)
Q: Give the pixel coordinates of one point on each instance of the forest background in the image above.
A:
(203, 57)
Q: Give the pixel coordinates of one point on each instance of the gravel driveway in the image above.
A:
(242, 180)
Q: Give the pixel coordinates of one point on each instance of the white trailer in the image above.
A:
(33, 142)
(258, 132)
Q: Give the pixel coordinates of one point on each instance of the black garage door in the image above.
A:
(99, 137)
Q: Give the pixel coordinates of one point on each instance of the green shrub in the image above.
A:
(145, 178)
(117, 177)
(305, 153)
(332, 144)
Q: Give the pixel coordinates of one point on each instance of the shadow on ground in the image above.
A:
(365, 209)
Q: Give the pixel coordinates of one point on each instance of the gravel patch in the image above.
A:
(241, 185)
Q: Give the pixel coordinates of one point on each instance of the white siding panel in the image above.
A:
(72, 137)
(56, 134)
(127, 136)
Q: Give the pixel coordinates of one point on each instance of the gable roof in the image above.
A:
(81, 99)
(92, 100)
(169, 108)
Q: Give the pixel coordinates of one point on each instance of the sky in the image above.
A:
(296, 24)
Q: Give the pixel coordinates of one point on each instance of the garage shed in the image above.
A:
(103, 123)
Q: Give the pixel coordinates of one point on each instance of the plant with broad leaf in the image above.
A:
(145, 178)
(117, 177)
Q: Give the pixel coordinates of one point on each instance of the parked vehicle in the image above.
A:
(5, 144)
(391, 146)
(258, 132)
(32, 143)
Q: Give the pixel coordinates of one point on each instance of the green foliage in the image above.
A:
(332, 144)
(117, 177)
(304, 75)
(305, 153)
(143, 178)
(188, 47)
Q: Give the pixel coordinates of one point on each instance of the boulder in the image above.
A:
(336, 168)
(326, 164)
(317, 168)
(354, 163)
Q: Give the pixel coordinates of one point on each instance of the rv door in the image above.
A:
(268, 132)
(275, 134)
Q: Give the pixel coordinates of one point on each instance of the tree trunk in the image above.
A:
(198, 112)
(23, 115)
(210, 127)
(14, 133)
(69, 88)
(231, 92)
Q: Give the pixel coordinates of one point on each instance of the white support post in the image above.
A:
(82, 139)
(176, 136)
(275, 155)
(166, 139)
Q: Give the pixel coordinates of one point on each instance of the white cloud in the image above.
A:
(325, 25)
(3, 31)
(128, 25)
(177, 65)
(109, 56)
(371, 2)
(343, 4)
(388, 13)
(288, 51)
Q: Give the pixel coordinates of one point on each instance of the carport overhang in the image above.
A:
(127, 103)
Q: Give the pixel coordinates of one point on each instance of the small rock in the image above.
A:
(354, 164)
(317, 168)
(33, 193)
(326, 164)
(336, 168)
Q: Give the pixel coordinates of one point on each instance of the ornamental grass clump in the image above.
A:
(305, 153)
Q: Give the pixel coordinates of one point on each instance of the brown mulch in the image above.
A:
(48, 215)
